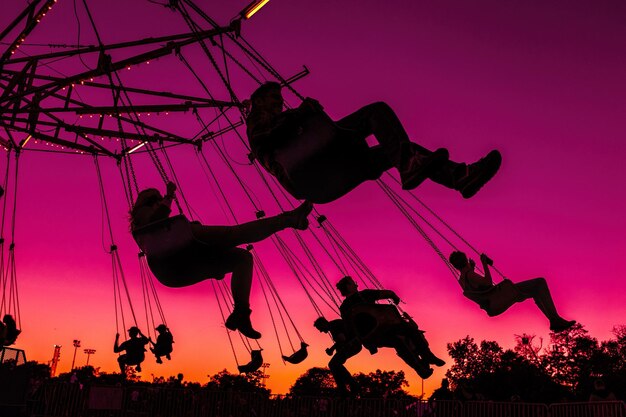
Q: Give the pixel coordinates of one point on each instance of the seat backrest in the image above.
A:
(497, 299)
(315, 136)
(324, 162)
(165, 237)
(299, 355)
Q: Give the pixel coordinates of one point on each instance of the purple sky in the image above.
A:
(541, 82)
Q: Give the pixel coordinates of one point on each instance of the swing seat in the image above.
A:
(497, 299)
(11, 336)
(174, 255)
(324, 162)
(299, 355)
(162, 349)
(256, 360)
(372, 324)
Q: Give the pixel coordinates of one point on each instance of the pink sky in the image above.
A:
(544, 85)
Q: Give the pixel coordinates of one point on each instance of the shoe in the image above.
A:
(425, 373)
(239, 319)
(159, 360)
(478, 174)
(138, 368)
(418, 167)
(561, 325)
(169, 358)
(300, 215)
(435, 360)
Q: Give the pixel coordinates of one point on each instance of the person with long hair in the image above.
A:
(221, 252)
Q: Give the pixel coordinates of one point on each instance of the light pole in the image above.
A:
(264, 376)
(89, 352)
(76, 346)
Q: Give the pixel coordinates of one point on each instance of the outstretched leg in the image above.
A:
(467, 179)
(538, 290)
(254, 231)
(411, 357)
(380, 120)
(414, 162)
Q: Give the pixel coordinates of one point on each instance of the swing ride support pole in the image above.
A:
(32, 21)
(109, 67)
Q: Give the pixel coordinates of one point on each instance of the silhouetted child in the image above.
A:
(536, 288)
(270, 130)
(345, 347)
(222, 255)
(405, 337)
(134, 348)
(163, 345)
(11, 330)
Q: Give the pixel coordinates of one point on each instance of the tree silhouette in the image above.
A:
(249, 382)
(527, 348)
(566, 368)
(382, 384)
(471, 360)
(314, 382)
(379, 384)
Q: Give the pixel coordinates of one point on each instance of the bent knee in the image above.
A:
(380, 106)
(245, 257)
(541, 281)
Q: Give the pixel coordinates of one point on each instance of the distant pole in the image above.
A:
(264, 376)
(89, 352)
(55, 360)
(76, 346)
(422, 388)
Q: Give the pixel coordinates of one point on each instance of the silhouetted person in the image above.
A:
(134, 348)
(271, 130)
(601, 392)
(536, 288)
(163, 345)
(441, 394)
(11, 331)
(222, 254)
(3, 333)
(465, 392)
(346, 346)
(405, 337)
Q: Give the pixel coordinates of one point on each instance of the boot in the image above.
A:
(478, 174)
(240, 320)
(423, 370)
(431, 358)
(561, 324)
(416, 167)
